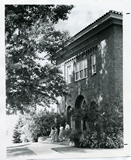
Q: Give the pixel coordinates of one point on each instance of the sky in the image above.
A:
(85, 13)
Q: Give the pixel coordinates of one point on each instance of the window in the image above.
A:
(93, 64)
(69, 74)
(85, 67)
(81, 69)
(77, 71)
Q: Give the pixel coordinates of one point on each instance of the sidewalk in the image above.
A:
(42, 150)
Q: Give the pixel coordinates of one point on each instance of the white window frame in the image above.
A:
(69, 73)
(81, 69)
(93, 64)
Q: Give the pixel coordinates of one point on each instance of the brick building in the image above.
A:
(92, 65)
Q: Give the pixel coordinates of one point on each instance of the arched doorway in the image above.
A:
(68, 119)
(80, 124)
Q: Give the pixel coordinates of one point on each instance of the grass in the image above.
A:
(18, 151)
(69, 149)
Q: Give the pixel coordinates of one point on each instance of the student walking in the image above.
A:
(52, 134)
(56, 135)
(61, 133)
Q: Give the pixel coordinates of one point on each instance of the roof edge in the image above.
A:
(110, 14)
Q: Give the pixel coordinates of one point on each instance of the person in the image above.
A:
(67, 127)
(67, 130)
(52, 134)
(61, 133)
(56, 135)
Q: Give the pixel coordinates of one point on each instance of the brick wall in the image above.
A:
(102, 84)
(107, 82)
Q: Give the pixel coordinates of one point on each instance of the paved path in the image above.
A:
(31, 151)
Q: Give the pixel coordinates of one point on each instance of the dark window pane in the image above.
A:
(81, 74)
(85, 72)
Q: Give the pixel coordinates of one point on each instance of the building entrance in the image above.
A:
(69, 115)
(80, 124)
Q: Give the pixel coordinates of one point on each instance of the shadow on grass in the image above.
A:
(23, 151)
(69, 149)
(19, 145)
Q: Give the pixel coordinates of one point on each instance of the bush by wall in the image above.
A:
(105, 125)
(75, 137)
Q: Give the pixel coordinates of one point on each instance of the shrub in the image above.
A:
(114, 140)
(38, 124)
(17, 132)
(93, 140)
(105, 124)
(75, 137)
(84, 140)
(89, 139)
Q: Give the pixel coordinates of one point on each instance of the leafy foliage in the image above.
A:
(105, 125)
(17, 132)
(37, 124)
(31, 40)
(93, 139)
(75, 137)
(89, 139)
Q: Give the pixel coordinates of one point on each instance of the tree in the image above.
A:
(17, 132)
(30, 35)
(37, 124)
(16, 135)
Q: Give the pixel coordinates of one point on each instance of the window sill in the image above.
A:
(80, 79)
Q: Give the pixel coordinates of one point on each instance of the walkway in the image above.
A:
(46, 150)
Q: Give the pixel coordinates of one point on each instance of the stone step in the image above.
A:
(63, 142)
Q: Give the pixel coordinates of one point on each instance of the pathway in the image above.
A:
(47, 150)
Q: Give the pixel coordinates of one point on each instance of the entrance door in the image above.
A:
(79, 123)
(69, 115)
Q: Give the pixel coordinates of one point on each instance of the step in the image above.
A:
(63, 142)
